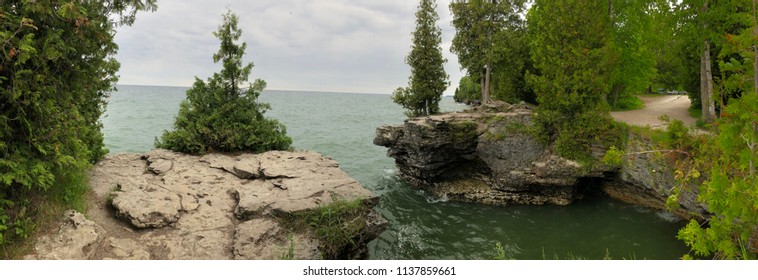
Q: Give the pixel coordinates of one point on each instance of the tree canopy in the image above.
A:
(491, 46)
(56, 71)
(220, 116)
(428, 79)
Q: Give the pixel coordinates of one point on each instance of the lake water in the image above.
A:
(342, 125)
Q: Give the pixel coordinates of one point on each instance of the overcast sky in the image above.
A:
(324, 45)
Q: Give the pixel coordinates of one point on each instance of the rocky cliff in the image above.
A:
(165, 205)
(490, 155)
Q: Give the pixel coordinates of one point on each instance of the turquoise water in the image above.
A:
(342, 125)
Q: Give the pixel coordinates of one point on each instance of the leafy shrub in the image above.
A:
(219, 115)
(627, 103)
(731, 193)
(56, 70)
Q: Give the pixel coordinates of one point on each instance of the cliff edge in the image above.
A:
(166, 205)
(490, 155)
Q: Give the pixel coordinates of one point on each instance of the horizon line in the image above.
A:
(273, 89)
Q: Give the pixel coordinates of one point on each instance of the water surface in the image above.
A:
(342, 125)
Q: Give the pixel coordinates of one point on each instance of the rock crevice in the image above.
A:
(178, 206)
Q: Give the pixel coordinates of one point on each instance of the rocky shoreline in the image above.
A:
(490, 155)
(166, 205)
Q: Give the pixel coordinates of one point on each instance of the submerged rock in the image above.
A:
(166, 205)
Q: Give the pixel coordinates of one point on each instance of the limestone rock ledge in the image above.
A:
(166, 205)
(490, 156)
(486, 157)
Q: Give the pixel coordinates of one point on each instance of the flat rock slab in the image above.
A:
(166, 205)
(264, 239)
(77, 239)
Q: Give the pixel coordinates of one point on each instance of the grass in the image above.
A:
(463, 132)
(45, 219)
(290, 253)
(337, 226)
(39, 213)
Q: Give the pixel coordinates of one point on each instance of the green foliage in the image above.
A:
(632, 50)
(731, 193)
(337, 226)
(468, 90)
(219, 115)
(613, 157)
(493, 33)
(570, 47)
(290, 254)
(428, 79)
(463, 132)
(499, 252)
(56, 70)
(627, 103)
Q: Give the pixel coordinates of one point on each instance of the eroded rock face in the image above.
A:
(487, 156)
(648, 179)
(166, 205)
(490, 156)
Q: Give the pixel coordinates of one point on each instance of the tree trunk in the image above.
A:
(481, 86)
(486, 93)
(706, 78)
(708, 104)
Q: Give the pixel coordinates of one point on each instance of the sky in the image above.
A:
(324, 45)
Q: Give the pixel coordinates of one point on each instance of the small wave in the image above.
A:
(667, 216)
(434, 199)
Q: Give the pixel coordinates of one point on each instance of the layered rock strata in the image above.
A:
(491, 156)
(176, 206)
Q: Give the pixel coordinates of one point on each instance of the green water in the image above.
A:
(342, 126)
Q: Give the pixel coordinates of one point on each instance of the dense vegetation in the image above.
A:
(571, 50)
(582, 58)
(220, 115)
(491, 45)
(428, 79)
(56, 70)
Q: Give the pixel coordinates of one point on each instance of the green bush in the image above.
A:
(628, 103)
(338, 226)
(56, 70)
(219, 116)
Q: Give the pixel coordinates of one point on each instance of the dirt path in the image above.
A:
(675, 106)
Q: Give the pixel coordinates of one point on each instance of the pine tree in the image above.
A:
(428, 79)
(221, 116)
(570, 47)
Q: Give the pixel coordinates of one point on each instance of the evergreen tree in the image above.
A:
(219, 116)
(56, 71)
(491, 46)
(570, 47)
(428, 79)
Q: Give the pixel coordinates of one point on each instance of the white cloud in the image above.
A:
(325, 45)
